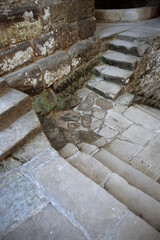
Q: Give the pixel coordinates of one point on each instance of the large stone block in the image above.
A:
(86, 28)
(44, 45)
(19, 22)
(16, 56)
(65, 34)
(28, 80)
(55, 67)
(84, 51)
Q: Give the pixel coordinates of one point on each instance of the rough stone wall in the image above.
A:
(43, 42)
(146, 83)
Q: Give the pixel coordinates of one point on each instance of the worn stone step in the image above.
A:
(128, 47)
(130, 174)
(149, 110)
(137, 201)
(18, 133)
(121, 60)
(114, 74)
(3, 87)
(95, 210)
(13, 105)
(145, 34)
(106, 89)
(138, 116)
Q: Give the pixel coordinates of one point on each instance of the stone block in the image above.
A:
(47, 224)
(15, 56)
(28, 80)
(107, 132)
(87, 148)
(65, 34)
(139, 164)
(84, 51)
(44, 45)
(153, 172)
(86, 28)
(55, 67)
(19, 22)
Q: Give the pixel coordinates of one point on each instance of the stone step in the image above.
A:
(138, 116)
(121, 60)
(141, 34)
(87, 206)
(137, 201)
(13, 105)
(114, 74)
(130, 174)
(106, 89)
(20, 131)
(3, 87)
(128, 47)
(149, 110)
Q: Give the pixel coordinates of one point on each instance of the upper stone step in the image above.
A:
(13, 105)
(146, 34)
(120, 59)
(3, 86)
(106, 89)
(18, 133)
(128, 47)
(112, 73)
(154, 112)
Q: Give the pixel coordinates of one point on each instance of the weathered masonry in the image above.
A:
(45, 44)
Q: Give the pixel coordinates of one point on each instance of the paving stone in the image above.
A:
(70, 116)
(105, 88)
(73, 126)
(130, 174)
(137, 201)
(138, 134)
(18, 198)
(68, 150)
(86, 120)
(96, 124)
(47, 224)
(32, 148)
(153, 172)
(132, 227)
(86, 104)
(98, 113)
(119, 108)
(121, 60)
(138, 164)
(142, 118)
(126, 99)
(151, 152)
(107, 132)
(122, 149)
(104, 104)
(24, 128)
(87, 148)
(117, 121)
(80, 196)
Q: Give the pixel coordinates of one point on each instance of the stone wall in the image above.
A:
(44, 42)
(146, 83)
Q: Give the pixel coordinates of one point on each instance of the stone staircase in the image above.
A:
(107, 189)
(19, 125)
(119, 64)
